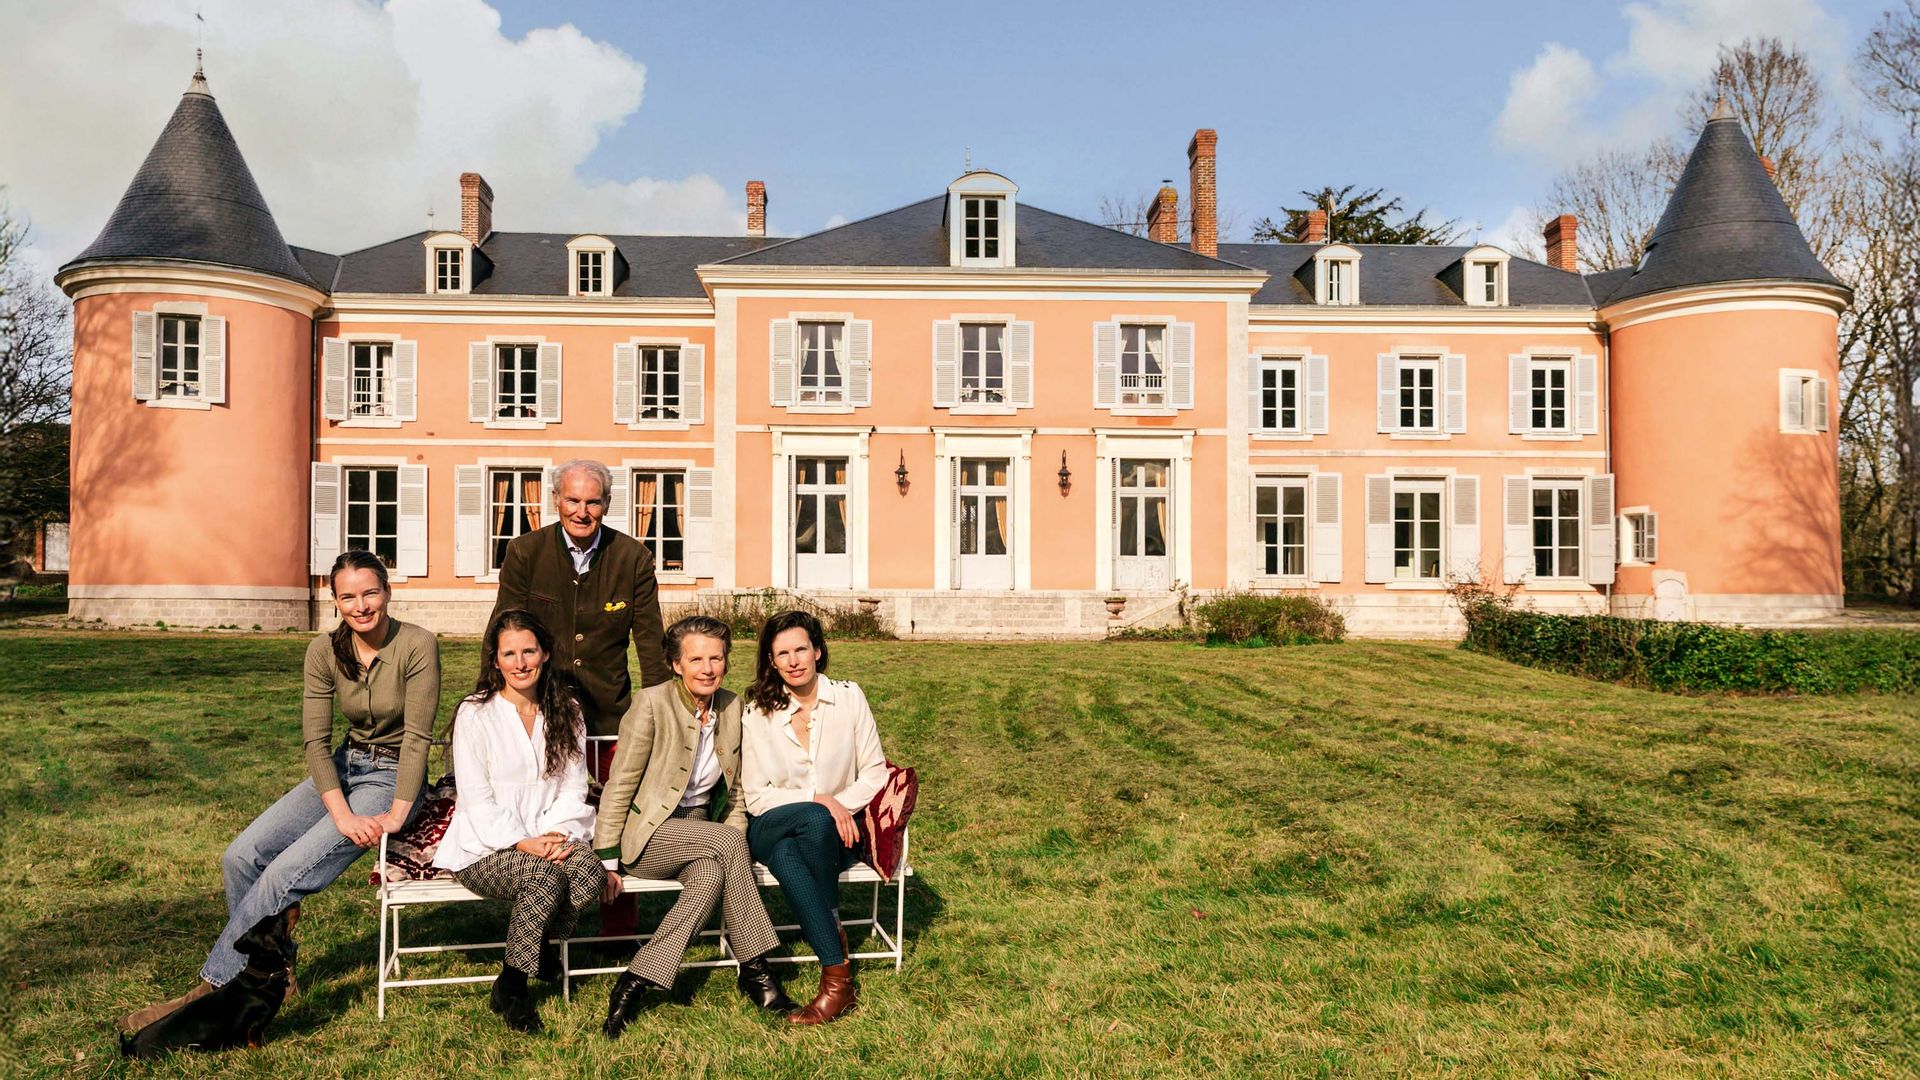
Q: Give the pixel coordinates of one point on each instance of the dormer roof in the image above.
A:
(194, 200)
(1724, 222)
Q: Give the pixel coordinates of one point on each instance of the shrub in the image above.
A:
(1698, 656)
(1260, 619)
(745, 613)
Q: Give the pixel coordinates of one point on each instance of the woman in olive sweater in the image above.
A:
(383, 675)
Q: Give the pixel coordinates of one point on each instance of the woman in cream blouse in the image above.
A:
(522, 829)
(811, 760)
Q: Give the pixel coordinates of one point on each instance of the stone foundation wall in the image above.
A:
(189, 613)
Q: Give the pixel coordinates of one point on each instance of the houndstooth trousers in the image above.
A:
(547, 896)
(712, 864)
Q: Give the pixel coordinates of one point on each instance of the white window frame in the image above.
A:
(983, 406)
(1473, 265)
(1814, 402)
(850, 443)
(1416, 486)
(689, 352)
(1017, 448)
(1578, 486)
(1165, 403)
(1280, 481)
(1546, 365)
(842, 359)
(489, 573)
(448, 241)
(494, 419)
(659, 349)
(1347, 260)
(385, 465)
(1279, 365)
(1634, 547)
(1173, 446)
(981, 185)
(161, 320)
(988, 211)
(683, 573)
(1435, 364)
(209, 324)
(578, 249)
(389, 416)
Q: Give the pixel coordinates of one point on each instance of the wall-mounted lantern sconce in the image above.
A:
(900, 474)
(1066, 475)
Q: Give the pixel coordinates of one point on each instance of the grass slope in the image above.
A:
(1136, 860)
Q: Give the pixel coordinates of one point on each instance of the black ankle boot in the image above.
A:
(628, 1000)
(549, 963)
(512, 1001)
(761, 988)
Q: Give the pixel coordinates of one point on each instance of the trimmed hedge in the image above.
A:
(1699, 656)
(1257, 619)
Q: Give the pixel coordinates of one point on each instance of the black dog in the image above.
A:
(236, 1014)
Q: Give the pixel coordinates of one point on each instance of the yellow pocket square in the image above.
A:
(616, 606)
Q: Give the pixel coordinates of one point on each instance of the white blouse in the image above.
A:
(504, 794)
(843, 757)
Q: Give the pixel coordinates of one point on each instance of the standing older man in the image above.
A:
(594, 589)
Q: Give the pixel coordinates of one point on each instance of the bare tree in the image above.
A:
(1618, 197)
(35, 387)
(1128, 213)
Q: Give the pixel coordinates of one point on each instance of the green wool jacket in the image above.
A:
(591, 615)
(658, 738)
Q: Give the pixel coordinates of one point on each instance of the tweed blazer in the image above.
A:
(591, 615)
(653, 763)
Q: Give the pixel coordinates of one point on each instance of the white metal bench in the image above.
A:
(398, 895)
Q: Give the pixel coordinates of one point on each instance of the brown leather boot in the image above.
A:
(834, 999)
(134, 1022)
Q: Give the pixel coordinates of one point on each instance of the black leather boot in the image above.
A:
(761, 988)
(512, 1001)
(628, 1000)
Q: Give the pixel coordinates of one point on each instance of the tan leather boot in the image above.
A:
(134, 1022)
(834, 999)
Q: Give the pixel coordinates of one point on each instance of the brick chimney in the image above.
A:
(1206, 212)
(1316, 228)
(1163, 217)
(1767, 164)
(476, 207)
(756, 208)
(1563, 250)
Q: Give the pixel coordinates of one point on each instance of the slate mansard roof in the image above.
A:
(1409, 275)
(536, 264)
(194, 200)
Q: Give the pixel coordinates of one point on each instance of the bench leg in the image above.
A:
(380, 995)
(899, 922)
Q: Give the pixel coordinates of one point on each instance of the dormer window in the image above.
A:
(1336, 275)
(449, 263)
(446, 270)
(595, 266)
(592, 272)
(1484, 277)
(980, 220)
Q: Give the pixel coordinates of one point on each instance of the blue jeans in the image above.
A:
(799, 844)
(293, 850)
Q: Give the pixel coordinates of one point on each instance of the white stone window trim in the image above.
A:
(1449, 367)
(1632, 522)
(392, 418)
(685, 466)
(655, 342)
(448, 241)
(369, 461)
(959, 322)
(1016, 445)
(163, 308)
(487, 465)
(1166, 323)
(1305, 477)
(846, 406)
(584, 244)
(975, 185)
(1481, 257)
(1348, 258)
(852, 444)
(1574, 358)
(496, 423)
(1173, 446)
(1306, 360)
(1814, 402)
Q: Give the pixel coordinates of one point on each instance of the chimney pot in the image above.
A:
(756, 208)
(1200, 181)
(1163, 217)
(1563, 249)
(476, 207)
(1767, 164)
(1316, 231)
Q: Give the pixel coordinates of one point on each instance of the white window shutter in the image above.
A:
(1180, 367)
(1820, 406)
(1020, 364)
(1316, 395)
(1651, 541)
(693, 384)
(406, 401)
(547, 396)
(1387, 374)
(1256, 370)
(626, 382)
(1379, 528)
(1463, 540)
(1454, 370)
(860, 361)
(328, 516)
(700, 522)
(946, 363)
(469, 520)
(1516, 533)
(1106, 365)
(479, 382)
(780, 377)
(1586, 394)
(213, 360)
(620, 501)
(1326, 527)
(1519, 395)
(1791, 403)
(333, 378)
(1599, 506)
(412, 558)
(145, 368)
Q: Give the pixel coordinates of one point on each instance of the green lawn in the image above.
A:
(1135, 860)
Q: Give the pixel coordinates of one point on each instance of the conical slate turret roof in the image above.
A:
(1725, 221)
(194, 200)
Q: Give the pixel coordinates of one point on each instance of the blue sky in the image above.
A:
(357, 116)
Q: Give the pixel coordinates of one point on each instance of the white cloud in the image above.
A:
(835, 221)
(1677, 41)
(1516, 234)
(354, 117)
(1545, 98)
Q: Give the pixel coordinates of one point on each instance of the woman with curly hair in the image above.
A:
(522, 828)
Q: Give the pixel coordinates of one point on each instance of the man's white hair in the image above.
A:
(587, 465)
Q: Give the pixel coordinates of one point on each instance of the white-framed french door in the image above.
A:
(820, 492)
(983, 523)
(1142, 523)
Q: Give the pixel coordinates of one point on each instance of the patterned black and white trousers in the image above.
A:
(712, 864)
(547, 896)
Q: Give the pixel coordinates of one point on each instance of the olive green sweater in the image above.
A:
(392, 703)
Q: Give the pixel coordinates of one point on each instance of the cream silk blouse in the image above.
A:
(843, 757)
(505, 795)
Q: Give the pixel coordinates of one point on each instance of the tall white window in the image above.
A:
(820, 495)
(179, 356)
(373, 511)
(1556, 529)
(591, 273)
(659, 394)
(1419, 394)
(1486, 282)
(823, 379)
(1417, 529)
(516, 381)
(1143, 365)
(513, 507)
(1339, 286)
(370, 379)
(980, 223)
(1803, 402)
(983, 364)
(660, 516)
(1549, 401)
(983, 495)
(1280, 527)
(1280, 396)
(1143, 494)
(446, 269)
